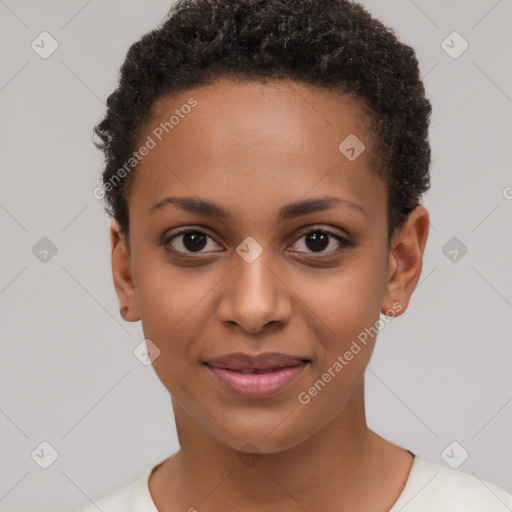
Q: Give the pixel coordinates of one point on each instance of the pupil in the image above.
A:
(194, 240)
(319, 241)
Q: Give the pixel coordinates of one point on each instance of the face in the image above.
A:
(252, 233)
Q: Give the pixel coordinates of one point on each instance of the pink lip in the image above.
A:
(256, 376)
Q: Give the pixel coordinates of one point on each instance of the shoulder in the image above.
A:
(432, 487)
(133, 497)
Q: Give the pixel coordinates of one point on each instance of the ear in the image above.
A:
(405, 261)
(122, 274)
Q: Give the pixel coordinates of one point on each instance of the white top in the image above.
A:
(430, 487)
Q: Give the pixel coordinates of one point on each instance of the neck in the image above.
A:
(329, 471)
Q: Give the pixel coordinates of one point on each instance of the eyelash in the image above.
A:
(344, 242)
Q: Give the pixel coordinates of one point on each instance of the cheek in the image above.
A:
(347, 314)
(172, 318)
(346, 301)
(346, 307)
(170, 299)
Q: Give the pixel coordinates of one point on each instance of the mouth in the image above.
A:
(256, 376)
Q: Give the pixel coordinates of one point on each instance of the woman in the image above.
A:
(265, 163)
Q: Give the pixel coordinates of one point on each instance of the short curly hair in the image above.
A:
(334, 44)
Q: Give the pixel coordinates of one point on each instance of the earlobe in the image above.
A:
(122, 274)
(405, 261)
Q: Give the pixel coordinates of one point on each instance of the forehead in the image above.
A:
(250, 110)
(263, 143)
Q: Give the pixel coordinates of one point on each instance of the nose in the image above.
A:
(255, 298)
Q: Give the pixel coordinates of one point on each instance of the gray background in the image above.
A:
(440, 373)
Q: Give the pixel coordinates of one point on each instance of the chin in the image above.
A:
(267, 434)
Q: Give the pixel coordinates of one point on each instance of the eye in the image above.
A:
(316, 241)
(321, 241)
(192, 241)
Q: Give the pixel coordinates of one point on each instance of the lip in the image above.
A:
(256, 376)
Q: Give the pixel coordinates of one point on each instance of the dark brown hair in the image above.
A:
(334, 44)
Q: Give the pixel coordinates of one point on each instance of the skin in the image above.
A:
(252, 148)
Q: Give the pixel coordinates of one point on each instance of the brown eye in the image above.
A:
(317, 240)
(320, 241)
(192, 241)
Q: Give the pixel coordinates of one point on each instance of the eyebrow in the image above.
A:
(289, 211)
